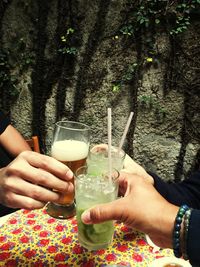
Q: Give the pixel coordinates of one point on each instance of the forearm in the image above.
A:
(185, 192)
(193, 240)
(13, 142)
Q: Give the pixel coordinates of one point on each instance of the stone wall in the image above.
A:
(164, 132)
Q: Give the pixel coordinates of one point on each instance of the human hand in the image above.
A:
(130, 166)
(141, 208)
(27, 182)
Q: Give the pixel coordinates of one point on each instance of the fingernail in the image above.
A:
(70, 174)
(85, 217)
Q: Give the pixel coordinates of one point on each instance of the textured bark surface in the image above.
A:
(46, 78)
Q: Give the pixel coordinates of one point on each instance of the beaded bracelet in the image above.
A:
(176, 232)
(186, 222)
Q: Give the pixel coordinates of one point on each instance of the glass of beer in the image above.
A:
(70, 146)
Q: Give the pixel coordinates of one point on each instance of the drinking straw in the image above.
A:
(125, 131)
(109, 143)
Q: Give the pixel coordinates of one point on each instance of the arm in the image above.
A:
(12, 141)
(194, 238)
(29, 180)
(185, 192)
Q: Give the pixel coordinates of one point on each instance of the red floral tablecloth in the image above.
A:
(32, 238)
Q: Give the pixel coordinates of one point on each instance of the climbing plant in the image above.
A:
(146, 19)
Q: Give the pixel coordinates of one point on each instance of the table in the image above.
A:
(33, 238)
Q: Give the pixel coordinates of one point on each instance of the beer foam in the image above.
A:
(69, 150)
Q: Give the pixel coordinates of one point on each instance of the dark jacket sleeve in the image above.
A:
(185, 192)
(5, 157)
(4, 122)
(193, 240)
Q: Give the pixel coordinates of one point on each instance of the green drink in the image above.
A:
(99, 156)
(91, 190)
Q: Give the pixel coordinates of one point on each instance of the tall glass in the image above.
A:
(93, 188)
(99, 155)
(70, 146)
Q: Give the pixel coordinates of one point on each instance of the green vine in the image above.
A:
(147, 13)
(26, 56)
(7, 82)
(145, 20)
(126, 78)
(65, 40)
(151, 103)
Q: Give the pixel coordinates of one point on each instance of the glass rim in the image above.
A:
(114, 151)
(114, 170)
(84, 127)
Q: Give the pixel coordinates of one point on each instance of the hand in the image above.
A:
(130, 166)
(141, 208)
(27, 182)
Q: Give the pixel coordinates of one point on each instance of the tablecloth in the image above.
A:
(33, 238)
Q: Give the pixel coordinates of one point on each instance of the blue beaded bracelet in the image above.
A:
(177, 229)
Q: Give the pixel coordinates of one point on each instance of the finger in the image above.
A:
(99, 148)
(23, 202)
(18, 186)
(123, 185)
(23, 169)
(103, 212)
(49, 164)
(44, 178)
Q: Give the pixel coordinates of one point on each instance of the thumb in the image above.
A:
(102, 212)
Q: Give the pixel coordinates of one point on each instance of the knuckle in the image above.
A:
(29, 204)
(23, 153)
(36, 193)
(13, 169)
(44, 163)
(7, 186)
(9, 199)
(42, 178)
(64, 187)
(95, 214)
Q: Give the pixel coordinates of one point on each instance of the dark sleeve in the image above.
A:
(5, 157)
(4, 122)
(193, 240)
(185, 192)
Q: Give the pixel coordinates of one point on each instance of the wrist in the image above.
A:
(163, 228)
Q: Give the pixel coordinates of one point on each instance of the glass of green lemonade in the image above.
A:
(92, 188)
(98, 156)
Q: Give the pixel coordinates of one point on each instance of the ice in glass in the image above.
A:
(99, 155)
(91, 189)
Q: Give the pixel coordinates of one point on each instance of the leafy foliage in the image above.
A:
(6, 81)
(65, 39)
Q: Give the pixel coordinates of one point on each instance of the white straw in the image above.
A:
(109, 143)
(125, 131)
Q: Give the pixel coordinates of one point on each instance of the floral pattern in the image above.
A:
(33, 238)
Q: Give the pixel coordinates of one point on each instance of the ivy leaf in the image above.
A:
(157, 21)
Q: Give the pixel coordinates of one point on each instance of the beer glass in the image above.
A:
(70, 146)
